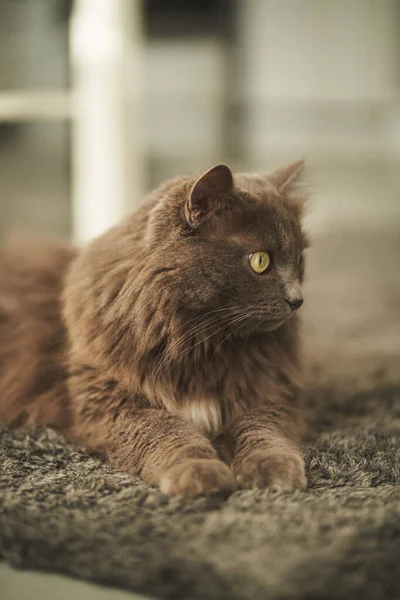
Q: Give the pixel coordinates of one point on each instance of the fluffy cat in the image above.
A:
(170, 344)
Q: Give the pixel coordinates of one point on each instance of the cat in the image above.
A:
(170, 344)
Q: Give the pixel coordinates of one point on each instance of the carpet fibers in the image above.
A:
(63, 510)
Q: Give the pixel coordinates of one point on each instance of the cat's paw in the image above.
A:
(198, 477)
(279, 471)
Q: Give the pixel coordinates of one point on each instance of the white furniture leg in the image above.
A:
(104, 42)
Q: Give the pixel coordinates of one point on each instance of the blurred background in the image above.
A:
(100, 100)
(162, 87)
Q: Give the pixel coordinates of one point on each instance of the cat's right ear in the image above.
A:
(207, 193)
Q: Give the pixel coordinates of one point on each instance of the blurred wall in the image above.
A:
(253, 83)
(321, 80)
(34, 157)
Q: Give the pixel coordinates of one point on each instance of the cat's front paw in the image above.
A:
(279, 471)
(198, 477)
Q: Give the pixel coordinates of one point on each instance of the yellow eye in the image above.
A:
(259, 261)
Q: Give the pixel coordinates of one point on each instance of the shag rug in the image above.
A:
(63, 510)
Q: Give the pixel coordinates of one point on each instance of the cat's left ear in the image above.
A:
(286, 178)
(207, 194)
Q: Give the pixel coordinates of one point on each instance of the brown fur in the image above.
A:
(33, 388)
(177, 355)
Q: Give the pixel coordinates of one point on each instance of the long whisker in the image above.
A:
(167, 358)
(226, 317)
(211, 312)
(228, 336)
(202, 321)
(232, 322)
(249, 334)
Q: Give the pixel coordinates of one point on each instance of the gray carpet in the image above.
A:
(63, 510)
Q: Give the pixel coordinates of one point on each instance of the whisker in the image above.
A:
(240, 318)
(229, 335)
(171, 350)
(202, 322)
(225, 317)
(169, 359)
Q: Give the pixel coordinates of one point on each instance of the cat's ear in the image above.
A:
(285, 178)
(206, 194)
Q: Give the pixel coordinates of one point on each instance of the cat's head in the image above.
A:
(229, 247)
(205, 259)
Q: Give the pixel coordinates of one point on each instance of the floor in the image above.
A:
(28, 585)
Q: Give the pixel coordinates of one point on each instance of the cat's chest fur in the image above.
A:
(209, 412)
(204, 412)
(213, 395)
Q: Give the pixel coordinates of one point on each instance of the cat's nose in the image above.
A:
(295, 303)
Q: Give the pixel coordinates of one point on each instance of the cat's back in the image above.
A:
(32, 337)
